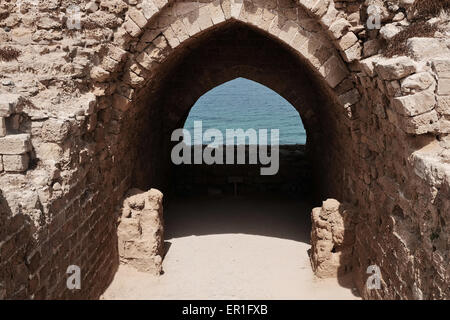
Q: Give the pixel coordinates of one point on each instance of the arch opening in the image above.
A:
(229, 51)
(232, 124)
(246, 104)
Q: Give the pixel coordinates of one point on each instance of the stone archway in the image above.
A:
(179, 93)
(227, 51)
(76, 141)
(159, 55)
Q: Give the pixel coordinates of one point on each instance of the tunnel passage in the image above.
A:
(231, 51)
(221, 54)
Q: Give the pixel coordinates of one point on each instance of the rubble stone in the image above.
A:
(140, 231)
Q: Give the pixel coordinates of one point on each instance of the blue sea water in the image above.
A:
(245, 104)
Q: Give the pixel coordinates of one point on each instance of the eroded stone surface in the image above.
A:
(140, 231)
(332, 239)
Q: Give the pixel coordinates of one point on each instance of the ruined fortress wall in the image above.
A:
(85, 115)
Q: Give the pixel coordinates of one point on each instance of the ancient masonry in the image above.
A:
(140, 231)
(90, 94)
(332, 239)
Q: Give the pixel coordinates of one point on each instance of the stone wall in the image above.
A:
(86, 114)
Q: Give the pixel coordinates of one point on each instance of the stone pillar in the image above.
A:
(140, 231)
(332, 239)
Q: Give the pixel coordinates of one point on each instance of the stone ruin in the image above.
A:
(332, 239)
(140, 231)
(88, 103)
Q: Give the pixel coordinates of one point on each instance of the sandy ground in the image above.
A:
(232, 248)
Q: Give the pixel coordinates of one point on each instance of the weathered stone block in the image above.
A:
(185, 7)
(171, 37)
(8, 102)
(444, 128)
(368, 66)
(133, 79)
(160, 3)
(55, 130)
(149, 8)
(180, 30)
(288, 31)
(138, 18)
(15, 144)
(333, 71)
(99, 74)
(353, 53)
(301, 38)
(371, 47)
(116, 53)
(330, 16)
(2, 127)
(132, 28)
(424, 123)
(140, 231)
(395, 68)
(414, 104)
(91, 7)
(48, 151)
(332, 239)
(442, 67)
(236, 7)
(443, 87)
(204, 18)
(338, 28)
(417, 82)
(347, 40)
(317, 7)
(388, 31)
(109, 64)
(423, 48)
(276, 24)
(16, 163)
(145, 60)
(443, 105)
(191, 24)
(217, 15)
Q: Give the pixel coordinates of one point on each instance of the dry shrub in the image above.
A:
(424, 9)
(9, 54)
(397, 44)
(430, 8)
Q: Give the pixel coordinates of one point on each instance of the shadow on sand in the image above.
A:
(265, 215)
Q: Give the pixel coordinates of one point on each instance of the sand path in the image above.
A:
(232, 248)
